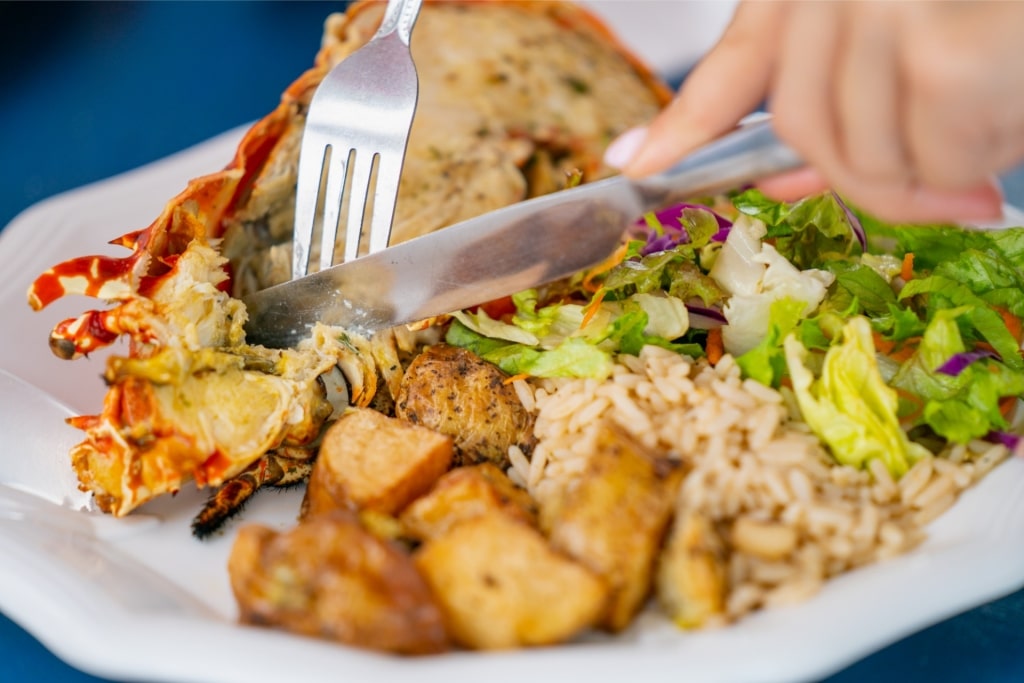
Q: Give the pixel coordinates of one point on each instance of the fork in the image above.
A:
(354, 143)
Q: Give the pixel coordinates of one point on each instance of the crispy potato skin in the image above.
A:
(372, 462)
(500, 585)
(465, 493)
(457, 393)
(328, 577)
(614, 518)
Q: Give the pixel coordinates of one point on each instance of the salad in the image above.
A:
(896, 341)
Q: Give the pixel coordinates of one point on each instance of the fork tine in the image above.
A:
(334, 193)
(364, 106)
(389, 169)
(306, 196)
(362, 167)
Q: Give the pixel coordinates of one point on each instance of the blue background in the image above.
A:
(94, 89)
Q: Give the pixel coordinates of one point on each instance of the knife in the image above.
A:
(505, 251)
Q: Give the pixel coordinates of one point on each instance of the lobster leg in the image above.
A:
(280, 468)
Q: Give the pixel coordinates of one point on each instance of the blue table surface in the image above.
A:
(93, 89)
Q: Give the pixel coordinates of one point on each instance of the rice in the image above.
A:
(789, 516)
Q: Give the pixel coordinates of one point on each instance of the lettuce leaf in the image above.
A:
(873, 293)
(808, 232)
(957, 407)
(574, 357)
(980, 320)
(850, 407)
(766, 362)
(551, 341)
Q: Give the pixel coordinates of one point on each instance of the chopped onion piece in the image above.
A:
(703, 318)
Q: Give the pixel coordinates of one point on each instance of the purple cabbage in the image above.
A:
(1008, 439)
(674, 234)
(958, 362)
(858, 229)
(721, 234)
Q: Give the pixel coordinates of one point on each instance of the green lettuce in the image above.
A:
(872, 292)
(551, 341)
(979, 320)
(957, 407)
(809, 232)
(766, 362)
(574, 357)
(849, 406)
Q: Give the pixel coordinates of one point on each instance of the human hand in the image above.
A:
(908, 109)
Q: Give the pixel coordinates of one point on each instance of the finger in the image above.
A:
(794, 185)
(867, 90)
(919, 204)
(964, 96)
(898, 204)
(727, 84)
(801, 96)
(805, 117)
(944, 129)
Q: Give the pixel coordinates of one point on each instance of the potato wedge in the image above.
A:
(613, 519)
(329, 577)
(501, 586)
(465, 493)
(372, 462)
(459, 394)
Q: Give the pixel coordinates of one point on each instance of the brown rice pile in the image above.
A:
(790, 515)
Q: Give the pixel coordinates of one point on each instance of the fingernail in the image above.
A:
(624, 148)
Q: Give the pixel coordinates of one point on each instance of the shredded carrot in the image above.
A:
(913, 400)
(603, 267)
(882, 345)
(1012, 322)
(907, 271)
(514, 378)
(1007, 405)
(898, 352)
(715, 348)
(591, 310)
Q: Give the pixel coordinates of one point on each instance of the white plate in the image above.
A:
(141, 599)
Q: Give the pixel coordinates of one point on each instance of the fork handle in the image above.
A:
(399, 16)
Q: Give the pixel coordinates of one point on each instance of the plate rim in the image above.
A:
(39, 611)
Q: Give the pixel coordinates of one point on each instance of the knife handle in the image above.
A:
(750, 152)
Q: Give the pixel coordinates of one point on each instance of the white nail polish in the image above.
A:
(624, 148)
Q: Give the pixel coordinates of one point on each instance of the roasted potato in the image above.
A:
(613, 519)
(691, 581)
(501, 586)
(371, 462)
(329, 577)
(465, 493)
(457, 393)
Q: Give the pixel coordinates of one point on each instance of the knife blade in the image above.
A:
(505, 251)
